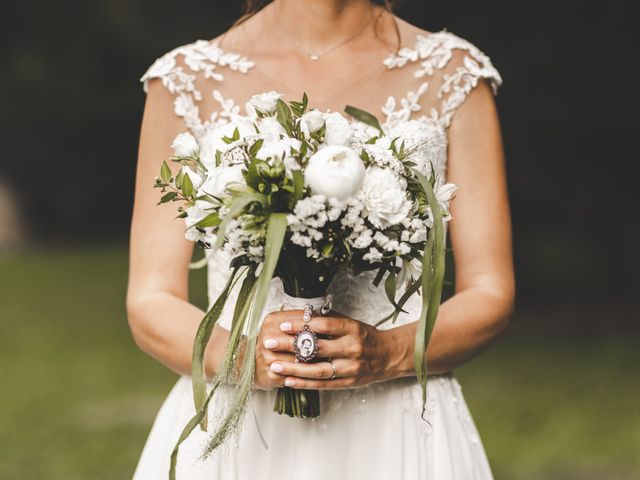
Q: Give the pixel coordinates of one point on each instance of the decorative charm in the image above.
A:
(305, 344)
(305, 341)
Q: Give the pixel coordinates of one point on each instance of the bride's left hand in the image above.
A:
(361, 353)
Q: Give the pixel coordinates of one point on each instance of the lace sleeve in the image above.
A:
(183, 72)
(449, 68)
(467, 67)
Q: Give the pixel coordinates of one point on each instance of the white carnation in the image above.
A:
(265, 102)
(335, 171)
(338, 130)
(185, 145)
(384, 197)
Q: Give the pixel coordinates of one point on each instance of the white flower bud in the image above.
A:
(265, 102)
(185, 145)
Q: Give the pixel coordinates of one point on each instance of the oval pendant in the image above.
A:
(314, 57)
(305, 344)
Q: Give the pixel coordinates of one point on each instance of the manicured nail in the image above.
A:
(276, 367)
(270, 343)
(289, 382)
(285, 326)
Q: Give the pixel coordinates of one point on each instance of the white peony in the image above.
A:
(338, 131)
(265, 102)
(311, 121)
(220, 177)
(384, 197)
(335, 172)
(195, 177)
(271, 127)
(185, 145)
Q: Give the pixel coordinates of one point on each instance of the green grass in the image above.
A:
(78, 398)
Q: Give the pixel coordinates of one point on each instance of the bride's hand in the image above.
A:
(265, 378)
(360, 352)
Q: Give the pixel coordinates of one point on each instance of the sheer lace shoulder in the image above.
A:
(182, 69)
(450, 68)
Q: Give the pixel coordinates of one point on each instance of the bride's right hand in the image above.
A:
(270, 331)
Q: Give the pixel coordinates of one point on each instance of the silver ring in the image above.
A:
(335, 372)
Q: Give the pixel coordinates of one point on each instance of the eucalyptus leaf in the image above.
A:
(165, 172)
(364, 117)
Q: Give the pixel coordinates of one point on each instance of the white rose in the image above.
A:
(195, 177)
(311, 121)
(335, 172)
(185, 145)
(220, 178)
(265, 102)
(271, 127)
(384, 197)
(338, 131)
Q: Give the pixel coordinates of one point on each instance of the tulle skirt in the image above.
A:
(374, 433)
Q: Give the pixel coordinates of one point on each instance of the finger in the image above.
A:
(279, 343)
(318, 370)
(308, 384)
(330, 325)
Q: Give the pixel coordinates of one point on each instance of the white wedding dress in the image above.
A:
(374, 432)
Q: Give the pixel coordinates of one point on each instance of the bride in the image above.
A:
(434, 84)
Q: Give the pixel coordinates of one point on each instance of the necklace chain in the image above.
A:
(315, 55)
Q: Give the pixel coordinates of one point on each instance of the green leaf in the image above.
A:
(327, 249)
(409, 292)
(167, 197)
(274, 240)
(390, 287)
(298, 186)
(165, 172)
(187, 186)
(236, 208)
(283, 114)
(364, 117)
(211, 220)
(433, 265)
(203, 334)
(227, 367)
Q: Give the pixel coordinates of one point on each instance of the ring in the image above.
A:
(335, 372)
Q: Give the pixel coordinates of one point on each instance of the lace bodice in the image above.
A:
(435, 75)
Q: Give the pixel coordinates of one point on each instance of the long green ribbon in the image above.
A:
(433, 265)
(203, 334)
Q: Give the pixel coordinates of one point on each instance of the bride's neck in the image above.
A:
(321, 21)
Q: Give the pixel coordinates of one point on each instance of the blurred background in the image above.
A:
(556, 399)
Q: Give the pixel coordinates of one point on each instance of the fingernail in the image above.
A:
(289, 382)
(285, 326)
(270, 343)
(276, 367)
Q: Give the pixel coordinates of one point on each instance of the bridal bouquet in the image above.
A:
(299, 194)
